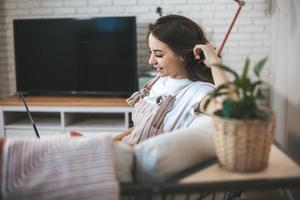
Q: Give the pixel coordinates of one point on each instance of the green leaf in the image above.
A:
(213, 95)
(245, 84)
(258, 67)
(255, 84)
(224, 86)
(245, 69)
(216, 94)
(228, 107)
(228, 69)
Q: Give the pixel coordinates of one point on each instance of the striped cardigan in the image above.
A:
(58, 168)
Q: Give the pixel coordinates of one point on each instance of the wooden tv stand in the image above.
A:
(61, 114)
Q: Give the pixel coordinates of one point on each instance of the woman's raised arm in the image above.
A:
(218, 74)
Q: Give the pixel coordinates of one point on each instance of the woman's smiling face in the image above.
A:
(164, 60)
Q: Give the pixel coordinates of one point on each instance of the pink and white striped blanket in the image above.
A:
(58, 168)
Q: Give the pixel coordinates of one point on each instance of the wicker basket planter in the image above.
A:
(243, 145)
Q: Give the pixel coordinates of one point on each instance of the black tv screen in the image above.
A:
(76, 56)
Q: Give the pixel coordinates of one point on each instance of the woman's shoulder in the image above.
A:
(194, 92)
(201, 84)
(197, 88)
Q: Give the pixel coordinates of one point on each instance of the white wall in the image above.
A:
(250, 37)
(285, 73)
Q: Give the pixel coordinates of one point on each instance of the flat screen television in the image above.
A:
(94, 56)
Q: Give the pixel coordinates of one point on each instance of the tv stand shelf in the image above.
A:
(55, 115)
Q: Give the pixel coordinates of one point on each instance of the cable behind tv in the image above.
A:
(29, 115)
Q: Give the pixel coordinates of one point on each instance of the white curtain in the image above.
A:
(285, 68)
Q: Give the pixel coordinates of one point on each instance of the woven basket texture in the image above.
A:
(243, 145)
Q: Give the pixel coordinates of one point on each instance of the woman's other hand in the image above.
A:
(75, 134)
(120, 136)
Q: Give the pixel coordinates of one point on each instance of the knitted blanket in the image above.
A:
(58, 168)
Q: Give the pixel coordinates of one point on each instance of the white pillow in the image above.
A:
(162, 156)
(123, 161)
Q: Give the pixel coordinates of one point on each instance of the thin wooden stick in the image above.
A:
(241, 4)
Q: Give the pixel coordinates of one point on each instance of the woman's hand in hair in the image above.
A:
(211, 58)
(210, 54)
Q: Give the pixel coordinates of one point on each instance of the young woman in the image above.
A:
(183, 59)
(170, 101)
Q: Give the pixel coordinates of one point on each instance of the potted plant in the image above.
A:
(244, 132)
